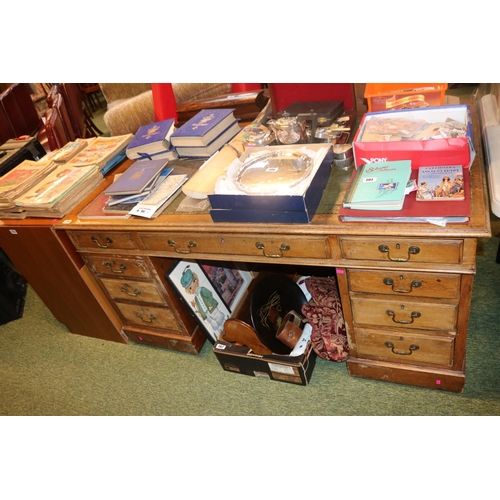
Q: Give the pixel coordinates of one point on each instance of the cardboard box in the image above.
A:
(391, 96)
(438, 152)
(240, 359)
(297, 209)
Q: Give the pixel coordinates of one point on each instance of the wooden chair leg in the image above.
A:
(90, 126)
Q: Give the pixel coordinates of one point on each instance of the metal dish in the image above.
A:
(271, 172)
(257, 135)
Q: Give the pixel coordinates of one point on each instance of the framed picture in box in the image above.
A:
(200, 296)
(230, 282)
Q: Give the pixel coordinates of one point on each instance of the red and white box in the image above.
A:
(431, 152)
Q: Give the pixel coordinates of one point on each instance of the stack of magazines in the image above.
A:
(18, 181)
(53, 186)
(105, 152)
(61, 190)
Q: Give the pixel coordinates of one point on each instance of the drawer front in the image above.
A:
(406, 348)
(409, 250)
(440, 286)
(149, 317)
(92, 240)
(115, 265)
(139, 291)
(190, 344)
(252, 245)
(389, 312)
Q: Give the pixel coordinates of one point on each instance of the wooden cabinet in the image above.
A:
(151, 312)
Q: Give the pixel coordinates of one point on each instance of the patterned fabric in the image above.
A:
(186, 92)
(125, 117)
(118, 91)
(324, 313)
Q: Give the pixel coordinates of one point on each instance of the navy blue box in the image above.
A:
(293, 209)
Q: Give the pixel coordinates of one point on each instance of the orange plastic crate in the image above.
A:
(390, 96)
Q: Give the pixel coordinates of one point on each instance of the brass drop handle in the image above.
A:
(413, 315)
(127, 289)
(146, 320)
(120, 270)
(412, 250)
(191, 244)
(108, 241)
(413, 347)
(285, 247)
(413, 284)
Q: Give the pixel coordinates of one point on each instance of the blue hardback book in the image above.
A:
(206, 151)
(137, 177)
(203, 128)
(151, 139)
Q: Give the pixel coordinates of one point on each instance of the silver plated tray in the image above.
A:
(271, 172)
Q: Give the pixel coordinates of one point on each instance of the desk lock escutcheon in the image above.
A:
(413, 316)
(412, 250)
(397, 289)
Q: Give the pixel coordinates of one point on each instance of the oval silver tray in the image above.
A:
(271, 172)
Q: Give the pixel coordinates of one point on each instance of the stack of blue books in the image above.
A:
(205, 133)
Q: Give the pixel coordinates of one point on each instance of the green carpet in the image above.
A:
(45, 370)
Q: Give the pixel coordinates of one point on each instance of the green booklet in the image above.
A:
(378, 186)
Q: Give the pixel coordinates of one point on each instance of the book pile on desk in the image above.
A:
(105, 152)
(144, 189)
(60, 190)
(18, 181)
(152, 142)
(54, 185)
(379, 186)
(205, 133)
(434, 194)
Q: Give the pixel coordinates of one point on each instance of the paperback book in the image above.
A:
(379, 186)
(203, 128)
(152, 140)
(440, 183)
(160, 197)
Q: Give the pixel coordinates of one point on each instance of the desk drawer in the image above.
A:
(115, 265)
(138, 291)
(92, 240)
(384, 250)
(406, 348)
(440, 286)
(252, 245)
(408, 313)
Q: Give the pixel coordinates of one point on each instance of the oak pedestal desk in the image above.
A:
(405, 288)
